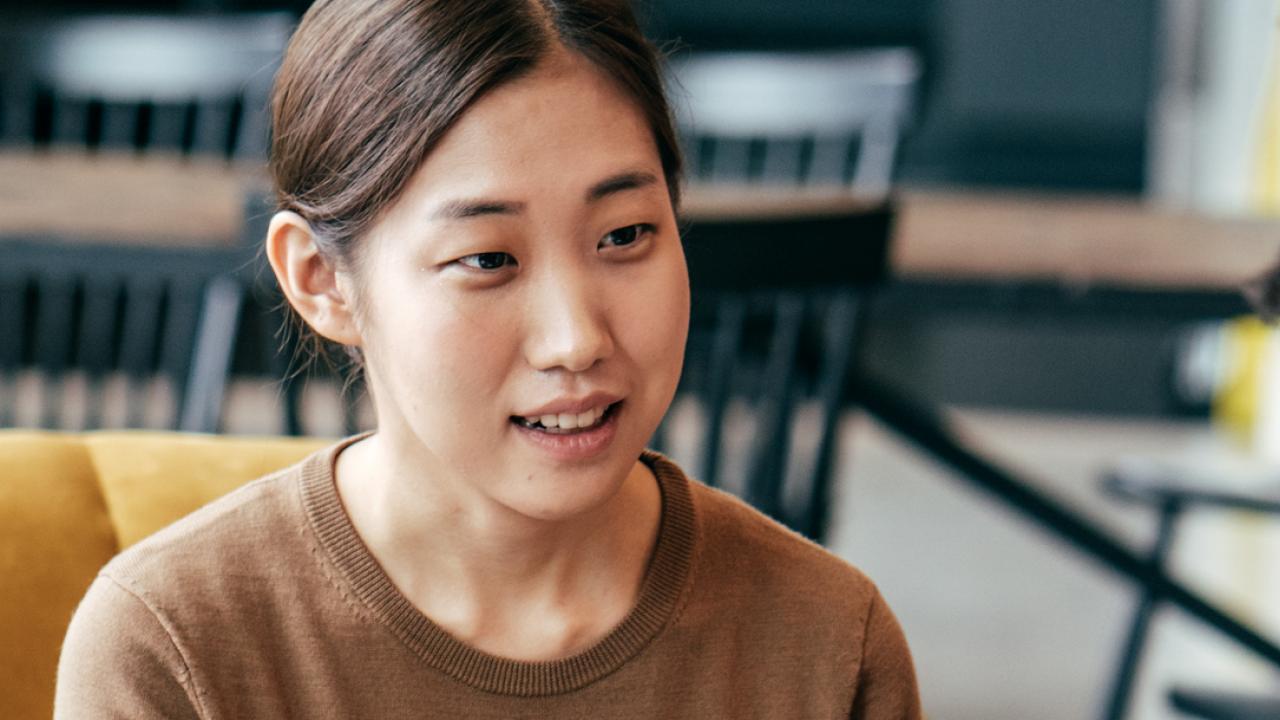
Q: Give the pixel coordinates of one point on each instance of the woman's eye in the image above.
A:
(488, 260)
(626, 235)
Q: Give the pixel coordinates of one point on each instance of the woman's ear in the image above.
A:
(309, 280)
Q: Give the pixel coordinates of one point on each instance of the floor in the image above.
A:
(1006, 622)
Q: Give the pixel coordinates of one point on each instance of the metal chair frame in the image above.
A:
(1170, 498)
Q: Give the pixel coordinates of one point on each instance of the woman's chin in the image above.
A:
(568, 496)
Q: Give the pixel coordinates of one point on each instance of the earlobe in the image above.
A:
(309, 280)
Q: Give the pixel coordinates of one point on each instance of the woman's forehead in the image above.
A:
(565, 118)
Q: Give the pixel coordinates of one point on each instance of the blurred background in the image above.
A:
(1008, 366)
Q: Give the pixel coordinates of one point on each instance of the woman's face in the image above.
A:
(531, 269)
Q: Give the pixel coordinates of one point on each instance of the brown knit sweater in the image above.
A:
(266, 604)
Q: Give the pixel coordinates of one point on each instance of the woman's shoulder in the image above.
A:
(246, 531)
(220, 590)
(737, 545)
(785, 606)
(739, 540)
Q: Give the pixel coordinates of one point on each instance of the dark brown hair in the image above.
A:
(368, 87)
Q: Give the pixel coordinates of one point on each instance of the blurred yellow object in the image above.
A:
(69, 502)
(1236, 404)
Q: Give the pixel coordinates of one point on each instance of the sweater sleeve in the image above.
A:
(886, 687)
(118, 661)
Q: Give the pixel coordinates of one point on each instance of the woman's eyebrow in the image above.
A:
(462, 209)
(629, 180)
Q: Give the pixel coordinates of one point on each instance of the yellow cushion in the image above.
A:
(69, 502)
(54, 535)
(151, 479)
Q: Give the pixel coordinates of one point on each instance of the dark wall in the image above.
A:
(797, 24)
(1039, 93)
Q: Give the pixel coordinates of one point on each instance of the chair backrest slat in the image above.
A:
(98, 346)
(876, 156)
(829, 164)
(144, 299)
(167, 127)
(730, 160)
(127, 314)
(182, 314)
(212, 132)
(17, 112)
(70, 121)
(141, 327)
(849, 104)
(55, 318)
(726, 341)
(119, 125)
(201, 83)
(205, 376)
(13, 311)
(782, 162)
(774, 410)
(838, 362)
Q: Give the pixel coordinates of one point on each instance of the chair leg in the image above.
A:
(839, 361)
(769, 461)
(1130, 660)
(730, 320)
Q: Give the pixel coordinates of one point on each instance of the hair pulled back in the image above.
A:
(368, 87)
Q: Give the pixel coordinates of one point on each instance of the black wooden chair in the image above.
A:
(832, 119)
(778, 308)
(162, 322)
(196, 84)
(1170, 497)
(779, 297)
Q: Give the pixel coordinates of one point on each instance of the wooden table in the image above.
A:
(1078, 240)
(125, 198)
(1002, 236)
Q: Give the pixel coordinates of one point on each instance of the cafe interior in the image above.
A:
(986, 329)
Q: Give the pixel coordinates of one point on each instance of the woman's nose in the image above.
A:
(567, 328)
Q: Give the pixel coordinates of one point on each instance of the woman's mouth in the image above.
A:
(567, 424)
(592, 432)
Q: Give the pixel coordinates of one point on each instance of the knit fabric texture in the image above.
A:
(267, 604)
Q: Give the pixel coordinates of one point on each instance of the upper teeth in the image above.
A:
(569, 421)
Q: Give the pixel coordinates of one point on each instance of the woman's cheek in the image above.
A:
(661, 311)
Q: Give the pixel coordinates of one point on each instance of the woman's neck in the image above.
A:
(505, 583)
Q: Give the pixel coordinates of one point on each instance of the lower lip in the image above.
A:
(578, 445)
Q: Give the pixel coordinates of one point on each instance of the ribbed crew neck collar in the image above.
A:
(665, 582)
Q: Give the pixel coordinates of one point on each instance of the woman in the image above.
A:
(477, 200)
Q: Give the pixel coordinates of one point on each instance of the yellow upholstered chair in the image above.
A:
(69, 502)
